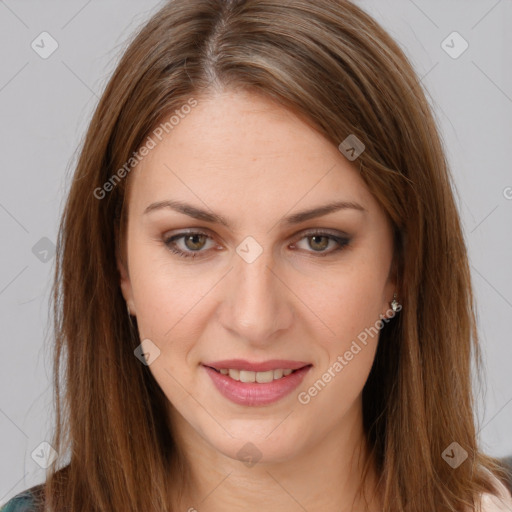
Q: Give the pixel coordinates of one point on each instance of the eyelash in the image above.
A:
(170, 242)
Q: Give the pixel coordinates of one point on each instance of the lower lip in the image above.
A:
(253, 393)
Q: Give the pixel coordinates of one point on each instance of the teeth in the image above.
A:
(234, 374)
(246, 376)
(278, 373)
(265, 376)
(261, 377)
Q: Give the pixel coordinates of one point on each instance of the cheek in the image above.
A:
(351, 301)
(351, 307)
(351, 351)
(164, 294)
(172, 311)
(335, 392)
(167, 311)
(168, 314)
(352, 310)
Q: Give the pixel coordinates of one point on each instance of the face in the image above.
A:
(252, 283)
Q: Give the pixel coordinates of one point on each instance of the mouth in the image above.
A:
(256, 384)
(263, 372)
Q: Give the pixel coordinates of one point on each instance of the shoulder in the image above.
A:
(501, 502)
(24, 501)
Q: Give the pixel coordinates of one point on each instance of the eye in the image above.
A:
(193, 243)
(320, 240)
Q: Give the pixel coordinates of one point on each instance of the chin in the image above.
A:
(251, 451)
(264, 443)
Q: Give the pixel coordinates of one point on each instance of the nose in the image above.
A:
(257, 304)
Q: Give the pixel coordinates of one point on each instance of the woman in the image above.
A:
(262, 291)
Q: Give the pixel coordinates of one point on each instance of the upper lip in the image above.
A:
(242, 364)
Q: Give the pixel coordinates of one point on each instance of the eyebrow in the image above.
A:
(296, 218)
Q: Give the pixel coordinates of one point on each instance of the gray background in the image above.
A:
(45, 106)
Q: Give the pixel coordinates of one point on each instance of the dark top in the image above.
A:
(24, 501)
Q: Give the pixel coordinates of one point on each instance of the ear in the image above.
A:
(390, 289)
(121, 255)
(126, 285)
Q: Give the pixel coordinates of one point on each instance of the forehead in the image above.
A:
(241, 151)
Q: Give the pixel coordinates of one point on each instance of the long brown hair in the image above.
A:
(333, 65)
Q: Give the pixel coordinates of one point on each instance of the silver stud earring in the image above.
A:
(395, 305)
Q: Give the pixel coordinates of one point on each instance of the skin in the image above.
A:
(253, 162)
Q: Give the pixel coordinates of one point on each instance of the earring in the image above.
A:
(395, 305)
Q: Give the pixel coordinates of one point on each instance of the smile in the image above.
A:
(255, 388)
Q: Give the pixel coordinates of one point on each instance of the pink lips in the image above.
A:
(253, 393)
